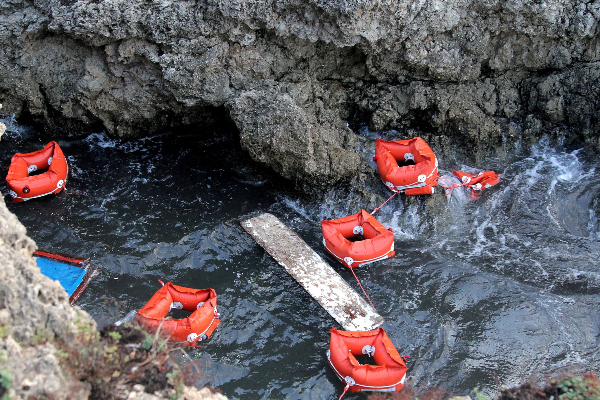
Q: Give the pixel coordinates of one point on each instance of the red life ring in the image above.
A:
(377, 245)
(387, 376)
(202, 303)
(22, 187)
(419, 178)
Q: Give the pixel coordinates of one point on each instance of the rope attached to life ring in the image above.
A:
(345, 390)
(377, 209)
(363, 289)
(453, 186)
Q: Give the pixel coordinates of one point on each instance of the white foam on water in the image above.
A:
(140, 145)
(400, 232)
(560, 165)
(298, 207)
(101, 139)
(457, 196)
(16, 131)
(539, 226)
(593, 224)
(332, 205)
(12, 128)
(74, 169)
(412, 299)
(366, 132)
(406, 224)
(533, 176)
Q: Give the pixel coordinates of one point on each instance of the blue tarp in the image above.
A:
(70, 276)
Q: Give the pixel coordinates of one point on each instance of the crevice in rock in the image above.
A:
(53, 123)
(422, 119)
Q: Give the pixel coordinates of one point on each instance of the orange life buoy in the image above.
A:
(387, 376)
(22, 186)
(202, 303)
(377, 245)
(419, 178)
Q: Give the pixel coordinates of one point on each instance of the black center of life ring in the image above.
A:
(26, 189)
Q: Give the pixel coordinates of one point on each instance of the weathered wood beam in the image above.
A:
(319, 279)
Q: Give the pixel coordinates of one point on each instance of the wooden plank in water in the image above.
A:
(319, 279)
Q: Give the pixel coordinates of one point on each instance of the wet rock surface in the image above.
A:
(294, 74)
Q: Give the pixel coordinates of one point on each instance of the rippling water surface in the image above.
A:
(508, 285)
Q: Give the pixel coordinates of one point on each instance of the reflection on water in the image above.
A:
(506, 286)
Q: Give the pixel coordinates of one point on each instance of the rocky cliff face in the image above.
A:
(34, 312)
(293, 75)
(47, 347)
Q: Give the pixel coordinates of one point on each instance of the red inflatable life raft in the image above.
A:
(481, 181)
(387, 376)
(419, 178)
(477, 182)
(22, 186)
(202, 303)
(378, 242)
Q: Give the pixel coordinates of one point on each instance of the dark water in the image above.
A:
(507, 286)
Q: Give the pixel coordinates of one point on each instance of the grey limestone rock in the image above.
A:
(36, 372)
(34, 311)
(473, 73)
(289, 137)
